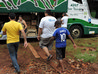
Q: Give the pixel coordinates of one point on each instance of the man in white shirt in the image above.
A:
(64, 20)
(46, 30)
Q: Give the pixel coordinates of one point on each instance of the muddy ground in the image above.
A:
(30, 65)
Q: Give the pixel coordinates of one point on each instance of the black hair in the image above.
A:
(57, 23)
(48, 12)
(20, 15)
(12, 15)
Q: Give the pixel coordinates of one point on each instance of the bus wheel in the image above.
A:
(76, 31)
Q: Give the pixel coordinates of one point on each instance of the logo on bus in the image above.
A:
(42, 4)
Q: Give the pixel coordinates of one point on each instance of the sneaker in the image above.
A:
(49, 58)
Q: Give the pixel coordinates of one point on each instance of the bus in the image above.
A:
(82, 14)
(83, 17)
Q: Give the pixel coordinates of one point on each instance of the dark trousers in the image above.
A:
(13, 48)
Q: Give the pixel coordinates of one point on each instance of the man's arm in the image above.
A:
(71, 39)
(52, 38)
(62, 21)
(4, 30)
(25, 40)
(40, 28)
(75, 46)
(39, 33)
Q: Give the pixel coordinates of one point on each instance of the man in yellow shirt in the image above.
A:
(12, 29)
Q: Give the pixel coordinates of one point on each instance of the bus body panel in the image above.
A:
(87, 27)
(79, 14)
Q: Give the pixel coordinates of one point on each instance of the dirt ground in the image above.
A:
(30, 65)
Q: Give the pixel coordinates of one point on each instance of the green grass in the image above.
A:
(88, 45)
(86, 57)
(87, 42)
(90, 56)
(97, 49)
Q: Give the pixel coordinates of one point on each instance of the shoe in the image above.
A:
(18, 72)
(11, 65)
(49, 58)
(63, 71)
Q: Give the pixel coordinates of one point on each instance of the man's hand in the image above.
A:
(25, 40)
(39, 33)
(75, 46)
(25, 44)
(38, 37)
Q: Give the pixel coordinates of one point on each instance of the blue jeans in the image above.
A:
(13, 48)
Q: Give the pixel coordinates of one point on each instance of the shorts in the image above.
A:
(60, 53)
(25, 30)
(45, 42)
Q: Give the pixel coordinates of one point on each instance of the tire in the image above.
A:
(76, 31)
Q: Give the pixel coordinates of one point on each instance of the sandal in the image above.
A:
(49, 58)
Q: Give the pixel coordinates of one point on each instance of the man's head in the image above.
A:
(48, 12)
(64, 14)
(20, 17)
(57, 24)
(12, 16)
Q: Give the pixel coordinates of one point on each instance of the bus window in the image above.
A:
(93, 6)
(78, 1)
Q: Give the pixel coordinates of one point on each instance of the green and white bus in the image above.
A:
(82, 14)
(83, 17)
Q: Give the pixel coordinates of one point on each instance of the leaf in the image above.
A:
(78, 65)
(91, 54)
(80, 60)
(71, 61)
(72, 66)
(83, 64)
(87, 49)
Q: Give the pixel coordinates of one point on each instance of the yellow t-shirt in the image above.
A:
(12, 29)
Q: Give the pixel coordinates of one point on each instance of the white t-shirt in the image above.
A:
(47, 24)
(64, 21)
